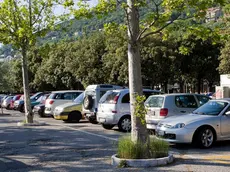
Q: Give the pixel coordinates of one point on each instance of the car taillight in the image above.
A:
(115, 99)
(51, 102)
(164, 112)
(114, 111)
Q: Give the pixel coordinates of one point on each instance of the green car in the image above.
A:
(70, 112)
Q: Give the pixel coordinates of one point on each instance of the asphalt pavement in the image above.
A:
(69, 147)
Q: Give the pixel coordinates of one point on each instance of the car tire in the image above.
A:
(8, 107)
(107, 126)
(74, 116)
(124, 124)
(22, 108)
(205, 138)
(88, 102)
(92, 120)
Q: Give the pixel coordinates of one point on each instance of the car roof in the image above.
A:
(67, 91)
(178, 94)
(95, 86)
(127, 90)
(223, 99)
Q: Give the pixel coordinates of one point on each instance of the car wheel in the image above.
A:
(8, 107)
(125, 124)
(107, 126)
(206, 137)
(22, 109)
(74, 116)
(88, 102)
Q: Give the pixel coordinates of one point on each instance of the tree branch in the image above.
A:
(152, 23)
(160, 29)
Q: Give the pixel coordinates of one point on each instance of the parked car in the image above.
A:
(203, 127)
(70, 111)
(19, 104)
(15, 98)
(6, 102)
(92, 95)
(40, 108)
(163, 106)
(57, 98)
(114, 108)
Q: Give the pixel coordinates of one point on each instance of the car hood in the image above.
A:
(186, 119)
(68, 105)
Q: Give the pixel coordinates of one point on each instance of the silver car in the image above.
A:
(207, 124)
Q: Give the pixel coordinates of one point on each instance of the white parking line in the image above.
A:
(89, 133)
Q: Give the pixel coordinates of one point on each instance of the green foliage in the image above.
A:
(224, 67)
(128, 149)
(140, 110)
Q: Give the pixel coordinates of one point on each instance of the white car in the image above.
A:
(92, 95)
(6, 102)
(114, 109)
(163, 106)
(57, 98)
(204, 126)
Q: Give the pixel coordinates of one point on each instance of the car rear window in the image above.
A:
(109, 97)
(154, 101)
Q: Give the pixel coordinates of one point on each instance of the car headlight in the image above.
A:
(179, 125)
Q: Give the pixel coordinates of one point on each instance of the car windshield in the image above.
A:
(108, 97)
(154, 101)
(39, 99)
(79, 99)
(211, 108)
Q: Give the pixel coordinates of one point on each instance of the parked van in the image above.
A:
(70, 111)
(162, 106)
(92, 95)
(59, 97)
(114, 108)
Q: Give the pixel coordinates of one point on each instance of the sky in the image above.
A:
(60, 10)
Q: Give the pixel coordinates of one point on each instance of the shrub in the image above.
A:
(129, 150)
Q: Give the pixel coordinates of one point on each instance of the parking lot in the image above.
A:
(188, 158)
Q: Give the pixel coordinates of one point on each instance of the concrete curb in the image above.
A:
(36, 123)
(142, 162)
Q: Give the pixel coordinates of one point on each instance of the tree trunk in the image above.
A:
(198, 85)
(139, 131)
(28, 110)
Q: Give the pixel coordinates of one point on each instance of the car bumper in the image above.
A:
(152, 124)
(61, 115)
(182, 135)
(108, 119)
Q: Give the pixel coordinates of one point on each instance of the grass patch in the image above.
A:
(129, 150)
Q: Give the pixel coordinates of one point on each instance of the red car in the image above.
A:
(16, 97)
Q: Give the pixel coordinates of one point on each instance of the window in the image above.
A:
(154, 101)
(68, 96)
(125, 99)
(185, 101)
(202, 99)
(109, 97)
(75, 95)
(102, 93)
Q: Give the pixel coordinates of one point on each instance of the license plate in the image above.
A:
(102, 120)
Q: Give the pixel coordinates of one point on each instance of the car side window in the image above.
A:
(125, 98)
(68, 96)
(185, 101)
(202, 99)
(75, 95)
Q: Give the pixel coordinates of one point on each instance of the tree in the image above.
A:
(164, 13)
(21, 23)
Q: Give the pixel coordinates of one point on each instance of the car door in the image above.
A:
(124, 105)
(185, 104)
(225, 124)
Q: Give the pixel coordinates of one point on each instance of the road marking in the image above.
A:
(221, 159)
(89, 133)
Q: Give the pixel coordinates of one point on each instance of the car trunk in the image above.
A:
(107, 104)
(154, 106)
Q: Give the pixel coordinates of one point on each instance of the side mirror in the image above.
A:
(227, 113)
